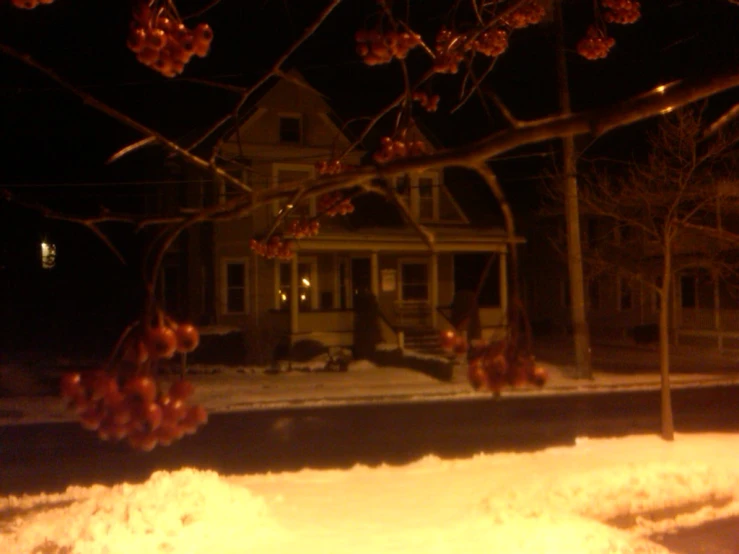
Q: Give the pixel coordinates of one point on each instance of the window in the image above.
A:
(226, 191)
(688, 295)
(290, 129)
(288, 173)
(625, 294)
(415, 282)
(171, 290)
(235, 290)
(306, 286)
(403, 188)
(425, 198)
(594, 293)
(592, 232)
(656, 298)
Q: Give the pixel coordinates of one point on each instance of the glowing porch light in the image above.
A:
(306, 282)
(48, 255)
(302, 297)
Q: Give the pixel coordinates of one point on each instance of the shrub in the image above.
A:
(466, 313)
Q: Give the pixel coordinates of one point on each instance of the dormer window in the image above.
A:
(291, 129)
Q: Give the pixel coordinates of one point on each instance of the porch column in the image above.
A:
(503, 278)
(294, 294)
(375, 275)
(434, 289)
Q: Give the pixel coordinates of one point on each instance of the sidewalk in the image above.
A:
(225, 389)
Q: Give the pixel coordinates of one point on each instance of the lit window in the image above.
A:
(305, 286)
(290, 129)
(48, 254)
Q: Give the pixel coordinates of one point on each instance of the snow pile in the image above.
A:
(605, 496)
(171, 512)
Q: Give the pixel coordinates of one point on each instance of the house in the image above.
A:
(704, 302)
(221, 281)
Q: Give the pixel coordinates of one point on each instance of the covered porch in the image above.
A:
(414, 286)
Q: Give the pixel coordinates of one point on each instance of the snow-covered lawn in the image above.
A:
(605, 496)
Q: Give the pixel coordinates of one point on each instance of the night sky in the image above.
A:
(49, 137)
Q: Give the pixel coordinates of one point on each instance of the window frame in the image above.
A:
(292, 116)
(308, 168)
(225, 262)
(401, 278)
(312, 262)
(624, 284)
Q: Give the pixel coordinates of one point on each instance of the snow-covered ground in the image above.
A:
(224, 389)
(605, 496)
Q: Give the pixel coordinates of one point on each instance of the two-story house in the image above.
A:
(704, 305)
(222, 281)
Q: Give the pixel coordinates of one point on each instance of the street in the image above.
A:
(49, 457)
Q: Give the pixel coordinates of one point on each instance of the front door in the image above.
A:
(361, 277)
(413, 306)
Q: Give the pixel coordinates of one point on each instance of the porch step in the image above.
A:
(425, 340)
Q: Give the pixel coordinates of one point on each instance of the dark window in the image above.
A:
(468, 270)
(235, 288)
(625, 300)
(594, 294)
(290, 129)
(415, 281)
(426, 198)
(687, 291)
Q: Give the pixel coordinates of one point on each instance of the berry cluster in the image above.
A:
(492, 42)
(595, 44)
(531, 14)
(498, 364)
(623, 12)
(30, 4)
(331, 167)
(162, 42)
(275, 247)
(377, 48)
(334, 203)
(392, 149)
(134, 410)
(449, 49)
(161, 341)
(301, 228)
(454, 342)
(429, 102)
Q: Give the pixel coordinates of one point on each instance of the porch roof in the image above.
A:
(444, 240)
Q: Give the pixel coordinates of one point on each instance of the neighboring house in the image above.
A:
(704, 305)
(217, 277)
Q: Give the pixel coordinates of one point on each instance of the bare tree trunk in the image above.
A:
(580, 330)
(668, 427)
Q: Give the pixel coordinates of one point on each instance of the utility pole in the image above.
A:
(580, 330)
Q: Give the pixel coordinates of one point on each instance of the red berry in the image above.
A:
(181, 390)
(71, 385)
(188, 337)
(142, 388)
(161, 341)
